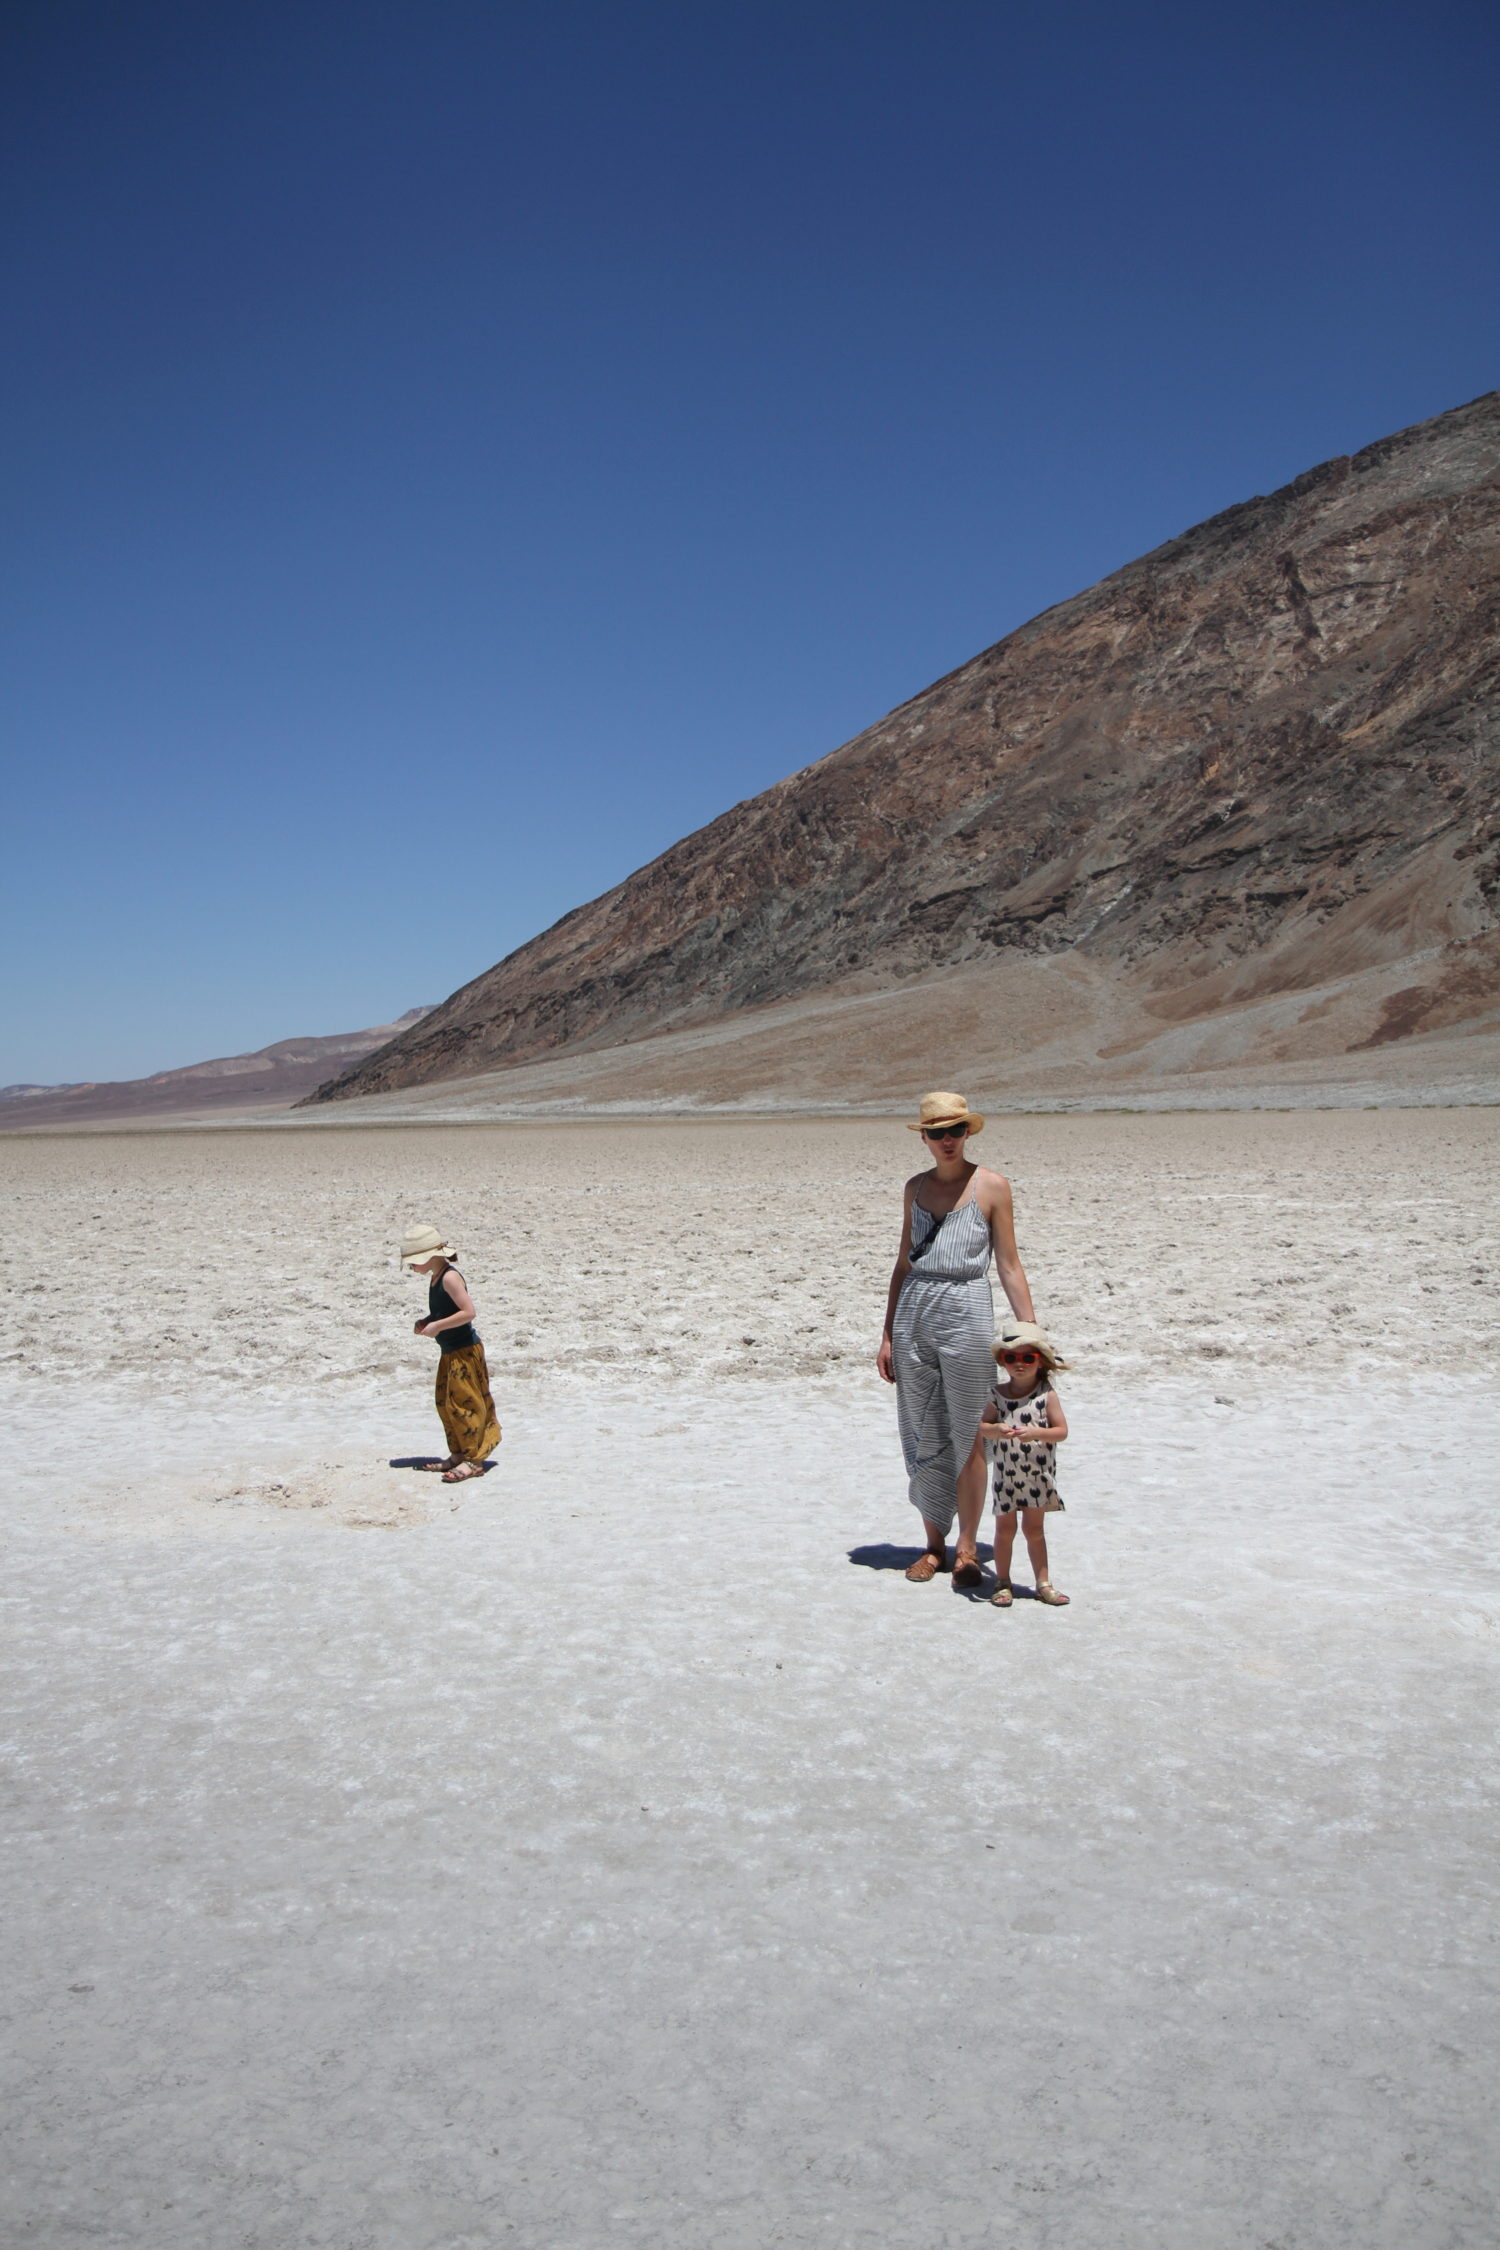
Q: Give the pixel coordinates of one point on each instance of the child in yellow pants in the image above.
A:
(463, 1378)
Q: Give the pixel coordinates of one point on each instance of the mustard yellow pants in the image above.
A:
(465, 1405)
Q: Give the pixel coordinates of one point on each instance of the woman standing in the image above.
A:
(940, 1329)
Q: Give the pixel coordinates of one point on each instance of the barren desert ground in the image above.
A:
(619, 1852)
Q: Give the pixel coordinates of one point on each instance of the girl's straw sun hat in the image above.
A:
(419, 1244)
(1023, 1335)
(945, 1109)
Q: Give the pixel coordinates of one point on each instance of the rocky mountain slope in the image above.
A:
(271, 1078)
(1257, 763)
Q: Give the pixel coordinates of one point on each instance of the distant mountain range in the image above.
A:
(1235, 808)
(271, 1078)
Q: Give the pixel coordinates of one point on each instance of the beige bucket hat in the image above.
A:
(945, 1109)
(419, 1244)
(1021, 1335)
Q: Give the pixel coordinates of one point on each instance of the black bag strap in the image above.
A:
(922, 1249)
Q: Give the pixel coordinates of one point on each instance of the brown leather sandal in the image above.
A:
(968, 1572)
(924, 1568)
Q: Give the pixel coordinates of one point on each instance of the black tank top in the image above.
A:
(440, 1306)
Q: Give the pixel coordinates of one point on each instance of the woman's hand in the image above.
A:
(883, 1361)
(420, 1327)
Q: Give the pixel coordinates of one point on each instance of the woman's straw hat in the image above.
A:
(419, 1244)
(1019, 1335)
(945, 1109)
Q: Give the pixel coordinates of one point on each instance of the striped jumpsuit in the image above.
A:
(942, 1342)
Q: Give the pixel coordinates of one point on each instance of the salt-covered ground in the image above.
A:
(620, 1852)
(263, 1260)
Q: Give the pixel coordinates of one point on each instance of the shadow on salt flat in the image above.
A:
(883, 1556)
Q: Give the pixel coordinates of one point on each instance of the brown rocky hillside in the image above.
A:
(1259, 762)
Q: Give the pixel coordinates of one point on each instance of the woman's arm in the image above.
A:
(899, 1272)
(1000, 1211)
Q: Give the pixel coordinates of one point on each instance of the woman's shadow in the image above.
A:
(886, 1557)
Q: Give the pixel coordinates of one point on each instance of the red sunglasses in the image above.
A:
(1020, 1359)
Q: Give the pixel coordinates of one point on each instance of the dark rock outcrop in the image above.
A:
(1259, 758)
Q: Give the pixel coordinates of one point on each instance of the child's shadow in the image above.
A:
(431, 1461)
(887, 1557)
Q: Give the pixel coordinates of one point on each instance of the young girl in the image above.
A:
(463, 1379)
(1024, 1424)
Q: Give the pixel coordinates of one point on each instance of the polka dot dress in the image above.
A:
(1025, 1474)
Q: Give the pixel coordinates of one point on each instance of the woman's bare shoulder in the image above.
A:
(995, 1183)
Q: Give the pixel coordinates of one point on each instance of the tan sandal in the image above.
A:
(462, 1473)
(1049, 1594)
(925, 1567)
(1002, 1597)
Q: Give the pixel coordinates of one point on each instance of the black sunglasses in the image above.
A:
(943, 1133)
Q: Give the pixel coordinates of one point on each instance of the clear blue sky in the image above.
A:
(477, 443)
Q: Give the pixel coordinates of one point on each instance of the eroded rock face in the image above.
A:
(1261, 757)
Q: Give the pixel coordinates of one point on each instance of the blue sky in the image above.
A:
(455, 449)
